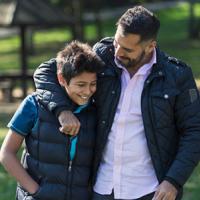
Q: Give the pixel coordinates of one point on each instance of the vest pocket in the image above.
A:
(21, 194)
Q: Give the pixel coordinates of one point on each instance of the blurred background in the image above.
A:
(32, 31)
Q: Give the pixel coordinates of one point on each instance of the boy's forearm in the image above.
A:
(15, 169)
(8, 158)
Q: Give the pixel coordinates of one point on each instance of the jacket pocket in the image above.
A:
(165, 97)
(162, 105)
(166, 93)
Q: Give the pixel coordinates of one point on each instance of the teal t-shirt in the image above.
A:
(26, 117)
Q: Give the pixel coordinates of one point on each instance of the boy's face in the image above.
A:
(81, 87)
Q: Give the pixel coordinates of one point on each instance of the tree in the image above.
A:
(194, 21)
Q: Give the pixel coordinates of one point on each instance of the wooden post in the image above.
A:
(23, 60)
(98, 24)
(192, 19)
(194, 24)
(78, 16)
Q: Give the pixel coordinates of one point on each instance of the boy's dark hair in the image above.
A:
(139, 20)
(77, 58)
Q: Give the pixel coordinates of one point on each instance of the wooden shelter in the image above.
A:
(29, 13)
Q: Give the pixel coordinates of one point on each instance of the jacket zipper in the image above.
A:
(153, 127)
(152, 119)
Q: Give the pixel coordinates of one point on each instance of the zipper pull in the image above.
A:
(70, 166)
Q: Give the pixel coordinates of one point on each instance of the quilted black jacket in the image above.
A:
(170, 110)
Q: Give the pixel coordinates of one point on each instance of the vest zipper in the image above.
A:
(69, 193)
(70, 168)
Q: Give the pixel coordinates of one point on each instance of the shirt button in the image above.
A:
(113, 92)
(102, 73)
(166, 96)
(103, 122)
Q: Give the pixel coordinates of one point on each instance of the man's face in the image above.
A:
(130, 52)
(80, 87)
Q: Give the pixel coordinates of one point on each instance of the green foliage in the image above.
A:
(46, 44)
(192, 187)
(173, 37)
(7, 183)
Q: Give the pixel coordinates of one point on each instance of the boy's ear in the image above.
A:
(61, 80)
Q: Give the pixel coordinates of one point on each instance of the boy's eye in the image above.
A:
(94, 84)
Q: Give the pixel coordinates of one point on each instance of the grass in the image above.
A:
(46, 44)
(7, 183)
(192, 187)
(172, 39)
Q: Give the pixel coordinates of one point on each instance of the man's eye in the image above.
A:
(81, 85)
(128, 50)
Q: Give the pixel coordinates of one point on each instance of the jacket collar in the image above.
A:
(158, 68)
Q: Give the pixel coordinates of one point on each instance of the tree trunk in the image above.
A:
(194, 23)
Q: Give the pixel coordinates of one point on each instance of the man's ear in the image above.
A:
(61, 80)
(150, 47)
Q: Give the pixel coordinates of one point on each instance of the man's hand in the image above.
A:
(165, 191)
(70, 125)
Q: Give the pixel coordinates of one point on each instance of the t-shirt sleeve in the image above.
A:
(25, 117)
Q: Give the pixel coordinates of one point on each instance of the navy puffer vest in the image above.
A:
(46, 158)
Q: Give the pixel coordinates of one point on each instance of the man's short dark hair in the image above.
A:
(139, 20)
(77, 58)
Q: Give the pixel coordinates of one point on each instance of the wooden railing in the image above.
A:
(8, 82)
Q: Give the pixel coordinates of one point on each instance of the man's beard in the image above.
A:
(132, 62)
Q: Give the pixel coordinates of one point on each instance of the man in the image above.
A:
(148, 112)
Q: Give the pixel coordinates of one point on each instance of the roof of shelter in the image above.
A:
(31, 12)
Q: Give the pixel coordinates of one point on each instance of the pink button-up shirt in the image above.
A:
(126, 166)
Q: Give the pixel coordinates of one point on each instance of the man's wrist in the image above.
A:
(57, 111)
(173, 182)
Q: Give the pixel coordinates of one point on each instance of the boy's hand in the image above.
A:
(70, 125)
